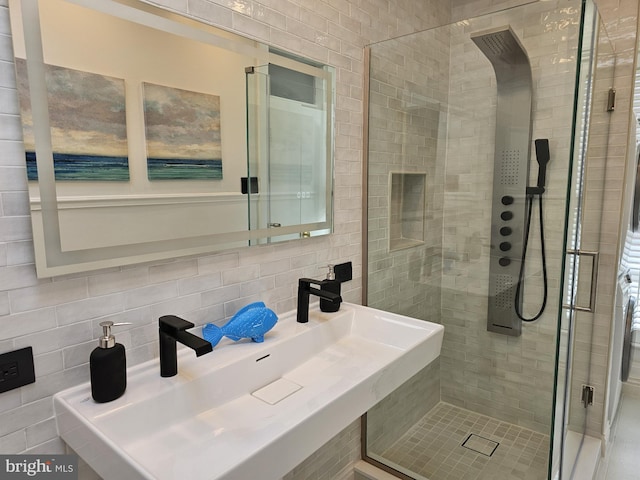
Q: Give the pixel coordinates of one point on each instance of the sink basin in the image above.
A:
(248, 410)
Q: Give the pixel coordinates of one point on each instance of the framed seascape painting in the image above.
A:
(182, 131)
(87, 122)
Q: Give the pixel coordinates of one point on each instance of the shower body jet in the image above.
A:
(511, 172)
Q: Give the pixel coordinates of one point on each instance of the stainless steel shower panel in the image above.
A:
(511, 172)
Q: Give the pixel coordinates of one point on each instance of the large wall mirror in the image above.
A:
(149, 135)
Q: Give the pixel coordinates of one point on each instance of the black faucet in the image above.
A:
(173, 329)
(304, 290)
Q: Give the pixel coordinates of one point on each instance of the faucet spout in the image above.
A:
(305, 290)
(172, 329)
(199, 345)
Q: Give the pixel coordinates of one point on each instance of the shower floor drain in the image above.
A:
(480, 444)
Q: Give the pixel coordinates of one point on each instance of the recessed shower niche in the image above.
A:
(406, 209)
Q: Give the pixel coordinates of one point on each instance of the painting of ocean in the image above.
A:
(182, 132)
(96, 168)
(184, 169)
(87, 116)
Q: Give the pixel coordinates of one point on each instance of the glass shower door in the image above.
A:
(485, 409)
(576, 425)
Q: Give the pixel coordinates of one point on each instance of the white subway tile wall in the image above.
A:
(392, 418)
(407, 132)
(446, 279)
(620, 19)
(507, 378)
(59, 317)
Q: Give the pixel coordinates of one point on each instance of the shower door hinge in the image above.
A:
(587, 395)
(611, 100)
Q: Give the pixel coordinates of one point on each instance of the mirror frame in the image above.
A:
(51, 259)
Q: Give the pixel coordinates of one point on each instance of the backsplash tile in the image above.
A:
(503, 377)
(16, 325)
(48, 294)
(213, 287)
(13, 443)
(66, 310)
(89, 308)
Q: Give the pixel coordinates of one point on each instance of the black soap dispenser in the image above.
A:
(330, 284)
(343, 272)
(108, 365)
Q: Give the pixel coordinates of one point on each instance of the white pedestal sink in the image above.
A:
(248, 410)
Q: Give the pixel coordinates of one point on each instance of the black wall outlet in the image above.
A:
(16, 369)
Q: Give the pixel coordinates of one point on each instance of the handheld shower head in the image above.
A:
(543, 157)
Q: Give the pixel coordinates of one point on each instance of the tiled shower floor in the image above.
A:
(493, 450)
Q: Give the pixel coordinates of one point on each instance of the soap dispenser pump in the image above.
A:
(108, 366)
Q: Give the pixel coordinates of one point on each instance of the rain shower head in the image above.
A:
(501, 46)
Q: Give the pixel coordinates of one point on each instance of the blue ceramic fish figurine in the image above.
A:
(251, 321)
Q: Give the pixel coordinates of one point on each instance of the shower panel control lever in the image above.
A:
(506, 215)
(507, 200)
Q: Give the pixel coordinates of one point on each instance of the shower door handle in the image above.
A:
(595, 256)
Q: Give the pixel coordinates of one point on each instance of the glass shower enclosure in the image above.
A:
(477, 136)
